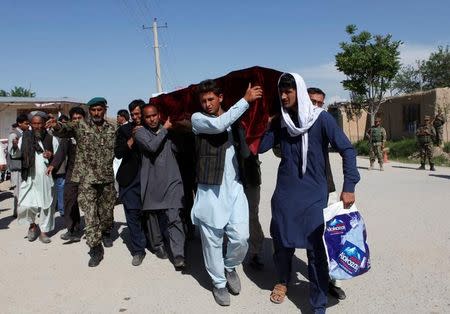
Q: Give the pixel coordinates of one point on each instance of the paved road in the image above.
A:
(407, 213)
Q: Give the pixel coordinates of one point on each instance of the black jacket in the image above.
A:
(131, 158)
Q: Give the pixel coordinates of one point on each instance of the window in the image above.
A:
(411, 117)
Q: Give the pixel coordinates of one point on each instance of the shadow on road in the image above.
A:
(440, 176)
(364, 168)
(6, 221)
(5, 195)
(404, 167)
(298, 290)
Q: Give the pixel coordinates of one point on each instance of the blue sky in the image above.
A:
(88, 48)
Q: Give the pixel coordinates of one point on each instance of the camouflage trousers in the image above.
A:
(426, 152)
(375, 151)
(439, 136)
(97, 202)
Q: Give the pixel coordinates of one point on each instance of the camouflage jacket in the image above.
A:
(376, 135)
(439, 121)
(425, 134)
(95, 150)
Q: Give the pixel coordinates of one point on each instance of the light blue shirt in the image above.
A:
(218, 205)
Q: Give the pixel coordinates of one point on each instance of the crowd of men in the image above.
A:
(175, 176)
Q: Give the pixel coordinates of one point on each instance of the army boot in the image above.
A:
(96, 254)
(381, 166)
(422, 167)
(432, 167)
(371, 166)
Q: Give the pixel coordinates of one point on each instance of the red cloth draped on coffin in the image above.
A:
(181, 104)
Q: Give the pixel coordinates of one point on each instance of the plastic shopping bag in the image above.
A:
(345, 240)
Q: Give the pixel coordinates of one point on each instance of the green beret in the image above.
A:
(97, 101)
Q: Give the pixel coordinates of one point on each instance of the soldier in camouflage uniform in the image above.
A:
(438, 124)
(93, 171)
(425, 137)
(377, 139)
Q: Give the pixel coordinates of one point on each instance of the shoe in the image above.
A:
(221, 296)
(137, 259)
(336, 292)
(44, 238)
(96, 254)
(371, 166)
(179, 263)
(66, 236)
(432, 167)
(161, 252)
(256, 263)
(107, 240)
(422, 167)
(76, 236)
(381, 167)
(33, 234)
(233, 282)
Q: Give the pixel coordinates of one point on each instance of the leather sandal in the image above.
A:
(278, 293)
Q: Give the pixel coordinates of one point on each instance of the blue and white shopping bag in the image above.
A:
(345, 240)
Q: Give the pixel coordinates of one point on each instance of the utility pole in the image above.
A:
(156, 50)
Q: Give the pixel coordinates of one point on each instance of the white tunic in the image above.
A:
(36, 193)
(218, 205)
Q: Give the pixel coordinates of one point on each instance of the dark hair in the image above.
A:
(77, 110)
(21, 118)
(287, 81)
(146, 105)
(135, 103)
(63, 117)
(123, 113)
(14, 125)
(207, 86)
(315, 90)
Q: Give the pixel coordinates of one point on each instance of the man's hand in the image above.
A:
(47, 154)
(52, 123)
(167, 125)
(49, 170)
(15, 142)
(348, 199)
(253, 93)
(130, 142)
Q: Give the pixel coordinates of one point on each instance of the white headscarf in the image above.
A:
(307, 115)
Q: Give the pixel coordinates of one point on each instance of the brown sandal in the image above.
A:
(278, 293)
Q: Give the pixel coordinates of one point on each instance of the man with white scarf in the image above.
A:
(301, 193)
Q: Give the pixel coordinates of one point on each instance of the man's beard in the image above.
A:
(97, 119)
(39, 134)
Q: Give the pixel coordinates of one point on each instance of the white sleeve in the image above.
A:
(214, 125)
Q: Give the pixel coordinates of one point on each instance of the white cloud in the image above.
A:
(411, 52)
(326, 71)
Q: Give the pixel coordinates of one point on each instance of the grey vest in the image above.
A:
(14, 164)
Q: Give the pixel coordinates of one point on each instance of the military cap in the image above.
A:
(97, 101)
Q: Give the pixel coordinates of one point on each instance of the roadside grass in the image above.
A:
(402, 151)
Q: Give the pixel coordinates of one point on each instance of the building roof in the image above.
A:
(39, 101)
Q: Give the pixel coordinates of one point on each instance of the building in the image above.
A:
(401, 114)
(10, 107)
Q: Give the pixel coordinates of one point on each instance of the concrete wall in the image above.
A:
(401, 115)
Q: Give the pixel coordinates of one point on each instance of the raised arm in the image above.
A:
(202, 123)
(149, 143)
(65, 130)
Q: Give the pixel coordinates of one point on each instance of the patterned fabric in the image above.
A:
(426, 152)
(425, 134)
(375, 151)
(95, 150)
(97, 202)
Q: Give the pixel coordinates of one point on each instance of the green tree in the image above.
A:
(370, 63)
(408, 80)
(427, 74)
(3, 93)
(18, 91)
(436, 70)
